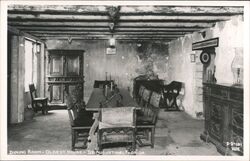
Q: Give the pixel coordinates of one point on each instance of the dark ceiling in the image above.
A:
(122, 22)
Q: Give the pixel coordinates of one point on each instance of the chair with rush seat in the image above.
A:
(38, 103)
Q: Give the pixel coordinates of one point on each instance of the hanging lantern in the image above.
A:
(112, 42)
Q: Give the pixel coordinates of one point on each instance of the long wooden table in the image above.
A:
(97, 96)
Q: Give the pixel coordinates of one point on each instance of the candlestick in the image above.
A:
(106, 90)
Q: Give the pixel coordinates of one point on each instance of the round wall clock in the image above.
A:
(205, 57)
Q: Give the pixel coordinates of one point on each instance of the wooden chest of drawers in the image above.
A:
(224, 117)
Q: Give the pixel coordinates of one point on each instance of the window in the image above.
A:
(31, 58)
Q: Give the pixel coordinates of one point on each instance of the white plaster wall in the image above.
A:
(124, 66)
(180, 68)
(231, 38)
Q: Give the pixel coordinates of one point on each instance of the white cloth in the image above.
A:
(117, 117)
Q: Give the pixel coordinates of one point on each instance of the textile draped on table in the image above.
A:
(116, 125)
(113, 101)
(117, 117)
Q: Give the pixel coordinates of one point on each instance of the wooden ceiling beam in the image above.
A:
(145, 38)
(104, 38)
(166, 29)
(105, 29)
(148, 36)
(120, 24)
(127, 10)
(55, 17)
(58, 9)
(153, 32)
(63, 30)
(62, 24)
(134, 22)
(95, 18)
(20, 19)
(49, 12)
(69, 32)
(51, 27)
(159, 27)
(107, 32)
(25, 34)
(196, 17)
(164, 24)
(109, 36)
(122, 17)
(181, 10)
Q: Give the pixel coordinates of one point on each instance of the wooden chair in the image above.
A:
(146, 123)
(78, 133)
(38, 103)
(170, 92)
(117, 127)
(144, 101)
(140, 93)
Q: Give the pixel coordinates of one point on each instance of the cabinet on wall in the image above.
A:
(224, 117)
(64, 74)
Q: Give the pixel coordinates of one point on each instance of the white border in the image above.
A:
(3, 79)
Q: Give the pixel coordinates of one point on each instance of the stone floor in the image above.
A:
(176, 134)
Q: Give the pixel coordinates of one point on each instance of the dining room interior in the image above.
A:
(125, 79)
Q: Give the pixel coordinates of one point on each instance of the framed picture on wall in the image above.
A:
(111, 51)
